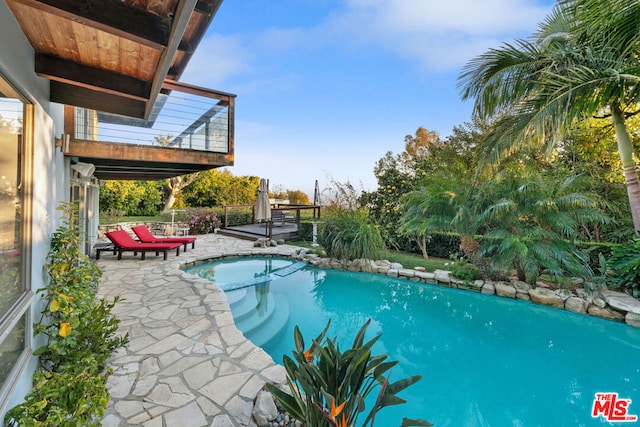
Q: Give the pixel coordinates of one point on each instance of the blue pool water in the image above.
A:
(485, 361)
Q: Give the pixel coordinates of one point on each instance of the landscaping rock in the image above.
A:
(546, 297)
(488, 288)
(523, 296)
(505, 290)
(335, 264)
(392, 272)
(605, 313)
(521, 287)
(563, 293)
(442, 276)
(632, 319)
(600, 302)
(582, 293)
(425, 275)
(621, 301)
(418, 268)
(406, 273)
(265, 408)
(382, 270)
(395, 266)
(577, 305)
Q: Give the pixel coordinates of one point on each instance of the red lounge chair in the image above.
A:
(145, 236)
(125, 243)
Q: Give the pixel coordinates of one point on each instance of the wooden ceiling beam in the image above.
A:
(76, 74)
(111, 16)
(64, 93)
(180, 22)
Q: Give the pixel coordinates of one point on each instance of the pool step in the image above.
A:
(236, 297)
(275, 274)
(276, 324)
(247, 307)
(261, 326)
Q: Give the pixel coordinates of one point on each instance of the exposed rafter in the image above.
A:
(111, 16)
(115, 53)
(72, 73)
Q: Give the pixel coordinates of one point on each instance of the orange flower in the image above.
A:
(309, 355)
(334, 412)
(65, 329)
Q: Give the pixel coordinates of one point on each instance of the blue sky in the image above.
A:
(326, 87)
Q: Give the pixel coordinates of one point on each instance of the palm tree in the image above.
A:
(573, 68)
(531, 224)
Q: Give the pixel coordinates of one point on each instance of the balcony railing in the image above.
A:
(184, 117)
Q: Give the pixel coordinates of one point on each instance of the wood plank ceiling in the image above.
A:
(112, 55)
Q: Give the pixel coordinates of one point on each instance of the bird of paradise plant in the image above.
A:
(329, 388)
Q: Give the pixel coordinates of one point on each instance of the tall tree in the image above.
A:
(572, 69)
(176, 185)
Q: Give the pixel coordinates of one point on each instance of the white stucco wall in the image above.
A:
(50, 177)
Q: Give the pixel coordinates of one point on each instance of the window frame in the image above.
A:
(21, 308)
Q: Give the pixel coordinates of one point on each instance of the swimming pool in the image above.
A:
(485, 361)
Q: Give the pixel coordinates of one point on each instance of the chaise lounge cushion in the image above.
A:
(123, 242)
(145, 236)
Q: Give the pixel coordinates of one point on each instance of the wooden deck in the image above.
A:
(288, 231)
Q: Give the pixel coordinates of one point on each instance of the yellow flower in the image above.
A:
(65, 329)
(54, 306)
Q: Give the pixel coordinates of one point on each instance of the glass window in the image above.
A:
(15, 295)
(11, 348)
(11, 287)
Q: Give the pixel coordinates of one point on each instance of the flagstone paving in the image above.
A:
(186, 363)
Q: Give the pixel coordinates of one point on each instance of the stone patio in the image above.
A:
(186, 363)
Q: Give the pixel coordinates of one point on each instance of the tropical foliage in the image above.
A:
(578, 65)
(330, 388)
(531, 226)
(624, 267)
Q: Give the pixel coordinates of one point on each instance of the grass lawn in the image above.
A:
(111, 220)
(409, 260)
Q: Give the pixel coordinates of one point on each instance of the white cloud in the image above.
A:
(439, 35)
(217, 58)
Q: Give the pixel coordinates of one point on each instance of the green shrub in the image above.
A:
(70, 388)
(594, 250)
(462, 269)
(73, 397)
(329, 387)
(624, 266)
(305, 231)
(348, 235)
